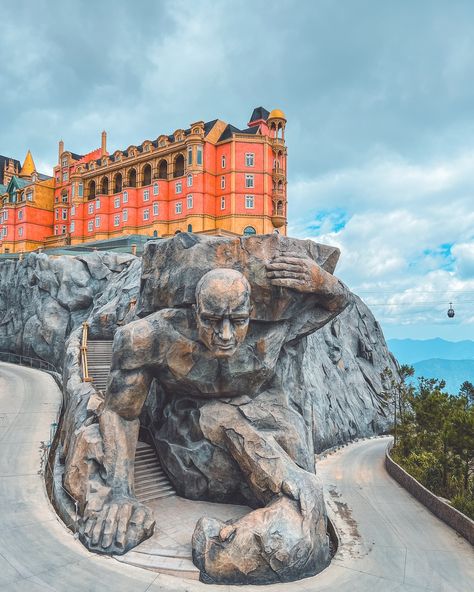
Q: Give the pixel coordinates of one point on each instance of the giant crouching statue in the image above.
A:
(218, 315)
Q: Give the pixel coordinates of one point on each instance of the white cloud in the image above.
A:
(408, 238)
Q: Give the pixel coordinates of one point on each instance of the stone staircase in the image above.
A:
(151, 481)
(99, 358)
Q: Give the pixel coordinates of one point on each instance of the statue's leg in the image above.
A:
(283, 541)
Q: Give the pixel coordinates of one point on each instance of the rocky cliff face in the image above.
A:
(44, 299)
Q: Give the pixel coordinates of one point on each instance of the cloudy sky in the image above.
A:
(379, 97)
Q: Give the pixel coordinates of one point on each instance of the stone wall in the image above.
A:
(452, 517)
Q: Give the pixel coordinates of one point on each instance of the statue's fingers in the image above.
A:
(288, 274)
(89, 526)
(284, 266)
(138, 516)
(289, 258)
(122, 524)
(97, 530)
(110, 526)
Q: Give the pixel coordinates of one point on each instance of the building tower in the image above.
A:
(276, 124)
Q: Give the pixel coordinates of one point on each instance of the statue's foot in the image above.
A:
(117, 527)
(272, 544)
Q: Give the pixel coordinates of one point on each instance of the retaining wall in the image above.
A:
(452, 517)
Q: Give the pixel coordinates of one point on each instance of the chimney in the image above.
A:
(104, 143)
(60, 150)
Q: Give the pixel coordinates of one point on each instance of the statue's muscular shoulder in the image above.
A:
(147, 341)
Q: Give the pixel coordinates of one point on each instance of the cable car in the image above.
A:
(450, 310)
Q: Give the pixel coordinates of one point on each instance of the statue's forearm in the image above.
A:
(331, 292)
(120, 440)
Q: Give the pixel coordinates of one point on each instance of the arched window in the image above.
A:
(132, 178)
(92, 190)
(163, 170)
(155, 234)
(179, 166)
(104, 186)
(280, 185)
(146, 175)
(190, 227)
(279, 208)
(118, 183)
(249, 230)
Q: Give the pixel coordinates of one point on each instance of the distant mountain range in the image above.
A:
(453, 361)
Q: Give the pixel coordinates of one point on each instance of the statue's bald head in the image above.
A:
(222, 310)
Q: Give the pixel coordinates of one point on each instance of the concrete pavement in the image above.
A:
(390, 542)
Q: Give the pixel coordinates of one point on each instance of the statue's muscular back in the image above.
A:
(166, 344)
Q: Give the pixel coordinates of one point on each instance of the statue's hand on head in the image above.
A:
(118, 526)
(296, 272)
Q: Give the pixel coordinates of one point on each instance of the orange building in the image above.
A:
(26, 206)
(212, 177)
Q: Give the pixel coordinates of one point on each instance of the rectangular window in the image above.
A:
(56, 214)
(5, 215)
(90, 226)
(189, 202)
(189, 181)
(73, 211)
(20, 215)
(179, 187)
(73, 189)
(64, 198)
(80, 190)
(72, 226)
(155, 209)
(20, 231)
(249, 159)
(64, 215)
(199, 155)
(222, 203)
(63, 229)
(249, 201)
(190, 155)
(178, 208)
(223, 161)
(90, 208)
(65, 176)
(117, 202)
(146, 195)
(146, 214)
(156, 189)
(249, 181)
(125, 197)
(117, 220)
(65, 162)
(97, 221)
(29, 195)
(222, 182)
(97, 204)
(125, 215)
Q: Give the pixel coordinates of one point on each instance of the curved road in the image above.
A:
(390, 543)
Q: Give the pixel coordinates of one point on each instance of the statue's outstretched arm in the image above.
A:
(114, 520)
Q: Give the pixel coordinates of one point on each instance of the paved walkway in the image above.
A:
(391, 542)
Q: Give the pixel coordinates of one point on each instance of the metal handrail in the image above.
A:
(6, 356)
(84, 364)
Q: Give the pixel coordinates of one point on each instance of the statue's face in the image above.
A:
(223, 312)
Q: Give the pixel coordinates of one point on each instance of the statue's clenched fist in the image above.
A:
(120, 525)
